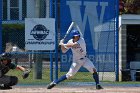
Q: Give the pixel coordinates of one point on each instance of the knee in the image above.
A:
(69, 76)
(13, 80)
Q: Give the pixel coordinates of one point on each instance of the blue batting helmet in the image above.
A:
(75, 33)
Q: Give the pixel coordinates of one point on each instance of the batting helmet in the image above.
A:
(75, 33)
(5, 56)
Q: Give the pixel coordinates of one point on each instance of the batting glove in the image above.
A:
(61, 42)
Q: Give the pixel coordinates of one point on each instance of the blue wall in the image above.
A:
(96, 19)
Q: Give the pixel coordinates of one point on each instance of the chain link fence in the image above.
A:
(13, 35)
(14, 13)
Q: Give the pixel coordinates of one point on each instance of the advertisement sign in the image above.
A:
(96, 19)
(40, 34)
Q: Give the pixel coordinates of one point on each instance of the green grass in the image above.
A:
(79, 77)
(30, 79)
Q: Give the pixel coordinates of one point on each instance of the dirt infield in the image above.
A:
(68, 89)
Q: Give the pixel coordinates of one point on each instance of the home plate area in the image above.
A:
(111, 88)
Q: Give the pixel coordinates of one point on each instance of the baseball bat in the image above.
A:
(69, 29)
(79, 30)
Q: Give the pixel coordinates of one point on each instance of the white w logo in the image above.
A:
(90, 15)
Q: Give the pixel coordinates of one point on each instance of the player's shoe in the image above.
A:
(4, 87)
(51, 85)
(99, 87)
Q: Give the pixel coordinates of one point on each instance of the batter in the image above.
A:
(78, 46)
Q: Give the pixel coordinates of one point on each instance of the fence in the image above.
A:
(14, 31)
(99, 28)
(48, 65)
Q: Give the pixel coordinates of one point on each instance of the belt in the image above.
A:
(82, 58)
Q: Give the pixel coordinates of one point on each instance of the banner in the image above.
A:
(40, 34)
(96, 19)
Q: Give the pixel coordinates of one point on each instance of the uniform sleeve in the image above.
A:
(70, 41)
(12, 66)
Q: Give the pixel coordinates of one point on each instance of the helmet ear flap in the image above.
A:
(73, 37)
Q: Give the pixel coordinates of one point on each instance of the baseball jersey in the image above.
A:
(78, 51)
(5, 68)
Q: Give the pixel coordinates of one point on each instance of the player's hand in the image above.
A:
(61, 42)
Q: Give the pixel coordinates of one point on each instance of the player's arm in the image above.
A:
(20, 68)
(70, 45)
(25, 73)
(66, 47)
(15, 66)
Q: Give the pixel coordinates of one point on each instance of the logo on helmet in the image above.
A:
(75, 33)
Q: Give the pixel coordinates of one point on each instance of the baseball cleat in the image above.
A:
(4, 87)
(51, 85)
(99, 87)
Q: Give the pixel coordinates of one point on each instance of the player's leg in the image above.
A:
(7, 81)
(91, 68)
(52, 84)
(72, 71)
(96, 78)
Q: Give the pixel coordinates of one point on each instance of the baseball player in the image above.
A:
(5, 65)
(78, 46)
